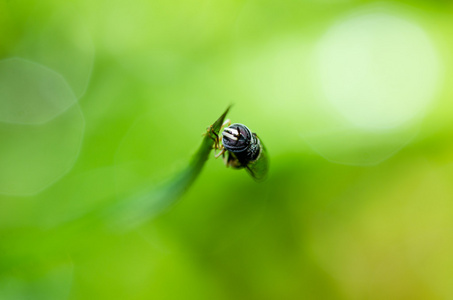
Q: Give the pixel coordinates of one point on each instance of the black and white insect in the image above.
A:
(242, 149)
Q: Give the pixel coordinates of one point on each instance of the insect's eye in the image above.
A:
(236, 136)
(243, 132)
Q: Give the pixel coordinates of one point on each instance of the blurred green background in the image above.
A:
(351, 98)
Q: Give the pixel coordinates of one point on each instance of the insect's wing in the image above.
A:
(259, 168)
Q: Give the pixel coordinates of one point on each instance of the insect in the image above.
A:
(242, 149)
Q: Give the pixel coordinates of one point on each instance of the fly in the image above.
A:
(242, 149)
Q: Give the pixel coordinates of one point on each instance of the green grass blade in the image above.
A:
(149, 202)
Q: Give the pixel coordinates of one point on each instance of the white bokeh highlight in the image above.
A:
(376, 74)
(378, 70)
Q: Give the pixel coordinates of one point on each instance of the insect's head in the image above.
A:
(236, 137)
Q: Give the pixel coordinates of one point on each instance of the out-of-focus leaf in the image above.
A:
(149, 202)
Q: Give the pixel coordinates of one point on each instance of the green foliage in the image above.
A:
(102, 104)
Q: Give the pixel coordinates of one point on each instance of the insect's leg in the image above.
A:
(214, 136)
(218, 146)
(216, 141)
(210, 132)
(226, 158)
(227, 123)
(230, 161)
(222, 152)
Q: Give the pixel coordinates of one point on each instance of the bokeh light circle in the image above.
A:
(31, 93)
(378, 70)
(41, 127)
(376, 74)
(33, 157)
